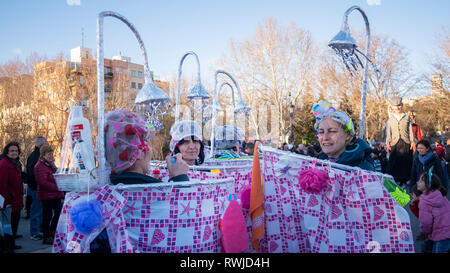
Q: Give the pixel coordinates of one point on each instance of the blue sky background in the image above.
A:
(169, 28)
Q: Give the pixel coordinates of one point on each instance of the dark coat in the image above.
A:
(418, 168)
(46, 183)
(31, 162)
(11, 187)
(355, 155)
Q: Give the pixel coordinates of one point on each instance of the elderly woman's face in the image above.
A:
(332, 138)
(49, 156)
(13, 152)
(189, 149)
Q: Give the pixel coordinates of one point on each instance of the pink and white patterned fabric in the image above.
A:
(355, 213)
(239, 170)
(156, 219)
(174, 220)
(68, 240)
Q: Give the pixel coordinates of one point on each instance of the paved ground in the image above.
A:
(28, 245)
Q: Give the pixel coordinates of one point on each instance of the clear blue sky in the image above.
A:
(170, 28)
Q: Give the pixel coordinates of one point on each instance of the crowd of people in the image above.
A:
(414, 163)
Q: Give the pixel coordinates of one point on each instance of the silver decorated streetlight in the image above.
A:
(209, 110)
(240, 107)
(151, 101)
(198, 92)
(346, 47)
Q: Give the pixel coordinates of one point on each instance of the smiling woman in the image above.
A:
(336, 135)
(11, 189)
(187, 139)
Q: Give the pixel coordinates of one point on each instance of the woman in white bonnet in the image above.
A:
(187, 140)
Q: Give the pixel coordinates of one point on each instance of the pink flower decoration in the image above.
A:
(313, 180)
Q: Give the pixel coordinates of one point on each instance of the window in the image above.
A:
(140, 74)
(81, 80)
(133, 85)
(139, 85)
(107, 70)
(133, 73)
(117, 70)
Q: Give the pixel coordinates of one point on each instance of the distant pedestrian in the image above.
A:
(36, 205)
(416, 127)
(400, 142)
(376, 162)
(434, 212)
(424, 160)
(440, 150)
(48, 192)
(11, 189)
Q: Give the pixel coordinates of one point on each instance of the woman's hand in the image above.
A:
(177, 168)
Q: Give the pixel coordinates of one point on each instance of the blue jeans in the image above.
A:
(442, 246)
(427, 246)
(35, 214)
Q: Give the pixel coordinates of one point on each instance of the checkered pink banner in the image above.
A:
(354, 214)
(157, 219)
(239, 170)
(68, 240)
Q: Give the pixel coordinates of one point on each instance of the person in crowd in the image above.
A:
(440, 150)
(434, 212)
(416, 127)
(187, 139)
(128, 151)
(284, 147)
(382, 156)
(414, 202)
(311, 151)
(336, 136)
(36, 205)
(376, 162)
(427, 244)
(11, 189)
(227, 141)
(424, 160)
(447, 157)
(48, 192)
(249, 148)
(301, 149)
(400, 142)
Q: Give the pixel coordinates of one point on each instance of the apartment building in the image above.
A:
(61, 84)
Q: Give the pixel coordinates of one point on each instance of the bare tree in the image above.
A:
(273, 68)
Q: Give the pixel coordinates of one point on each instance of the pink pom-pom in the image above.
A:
(313, 180)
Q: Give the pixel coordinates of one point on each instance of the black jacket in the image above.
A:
(418, 168)
(31, 162)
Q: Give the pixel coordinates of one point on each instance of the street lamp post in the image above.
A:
(197, 92)
(240, 107)
(346, 47)
(209, 109)
(151, 100)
